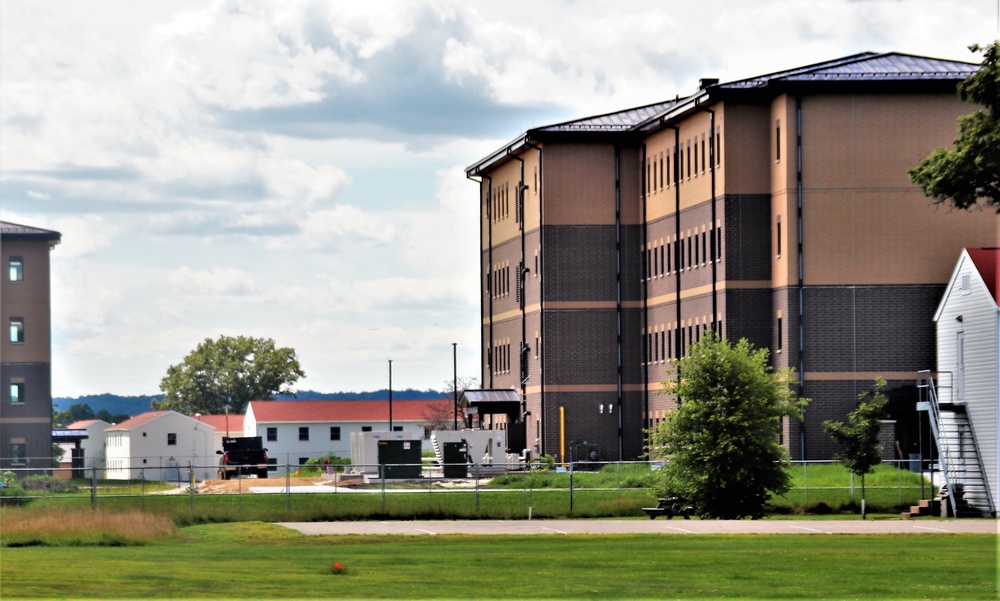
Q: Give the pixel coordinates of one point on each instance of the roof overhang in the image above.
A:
(493, 400)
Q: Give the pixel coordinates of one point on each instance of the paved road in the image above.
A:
(658, 526)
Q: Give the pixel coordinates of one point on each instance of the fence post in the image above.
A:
(477, 489)
(381, 469)
(571, 487)
(288, 485)
(191, 485)
(93, 488)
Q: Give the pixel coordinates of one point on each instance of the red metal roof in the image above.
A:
(219, 422)
(139, 420)
(82, 424)
(986, 262)
(345, 411)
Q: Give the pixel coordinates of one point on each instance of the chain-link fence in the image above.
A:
(429, 488)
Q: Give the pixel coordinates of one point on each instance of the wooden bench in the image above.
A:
(669, 507)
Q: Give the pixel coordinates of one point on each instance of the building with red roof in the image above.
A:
(296, 431)
(968, 378)
(160, 445)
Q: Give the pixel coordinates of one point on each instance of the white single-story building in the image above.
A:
(968, 357)
(160, 445)
(91, 448)
(297, 431)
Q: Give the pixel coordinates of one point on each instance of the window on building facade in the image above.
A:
(272, 434)
(18, 453)
(17, 330)
(334, 432)
(397, 428)
(696, 157)
(704, 163)
(16, 392)
(171, 439)
(16, 271)
(304, 433)
(777, 140)
(366, 428)
(778, 240)
(718, 146)
(781, 335)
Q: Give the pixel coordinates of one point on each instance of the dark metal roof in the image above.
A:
(25, 232)
(620, 121)
(864, 72)
(867, 66)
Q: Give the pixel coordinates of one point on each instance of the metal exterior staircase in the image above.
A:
(961, 463)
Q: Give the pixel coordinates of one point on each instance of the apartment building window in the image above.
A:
(16, 393)
(397, 428)
(668, 169)
(661, 170)
(704, 163)
(777, 140)
(718, 146)
(781, 334)
(304, 433)
(718, 243)
(17, 330)
(689, 159)
(334, 432)
(704, 247)
(171, 439)
(778, 241)
(366, 428)
(696, 157)
(272, 434)
(16, 270)
(18, 453)
(696, 251)
(689, 252)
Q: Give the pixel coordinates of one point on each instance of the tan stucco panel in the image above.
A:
(578, 183)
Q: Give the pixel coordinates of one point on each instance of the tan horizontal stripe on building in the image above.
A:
(844, 376)
(27, 420)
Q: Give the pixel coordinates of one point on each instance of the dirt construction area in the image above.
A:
(223, 487)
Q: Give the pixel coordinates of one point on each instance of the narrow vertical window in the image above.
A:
(663, 265)
(781, 334)
(16, 393)
(689, 159)
(16, 269)
(16, 330)
(304, 433)
(778, 241)
(704, 163)
(661, 170)
(777, 140)
(718, 146)
(696, 157)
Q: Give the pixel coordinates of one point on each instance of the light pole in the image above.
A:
(454, 386)
(390, 395)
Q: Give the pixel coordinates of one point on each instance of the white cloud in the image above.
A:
(222, 281)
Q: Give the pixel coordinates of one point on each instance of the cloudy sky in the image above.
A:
(294, 170)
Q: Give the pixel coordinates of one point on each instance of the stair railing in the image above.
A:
(925, 382)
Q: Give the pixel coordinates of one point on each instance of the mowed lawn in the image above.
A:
(260, 561)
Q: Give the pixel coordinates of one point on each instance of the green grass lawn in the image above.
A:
(258, 561)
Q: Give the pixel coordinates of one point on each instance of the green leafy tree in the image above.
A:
(227, 373)
(860, 435)
(971, 169)
(75, 413)
(722, 441)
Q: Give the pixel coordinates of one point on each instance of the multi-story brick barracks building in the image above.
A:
(776, 208)
(25, 351)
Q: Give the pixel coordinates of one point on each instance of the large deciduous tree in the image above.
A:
(722, 441)
(860, 435)
(971, 169)
(226, 373)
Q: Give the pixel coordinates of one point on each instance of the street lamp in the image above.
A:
(390, 395)
(454, 386)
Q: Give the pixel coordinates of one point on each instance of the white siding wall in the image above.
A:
(145, 451)
(289, 450)
(979, 324)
